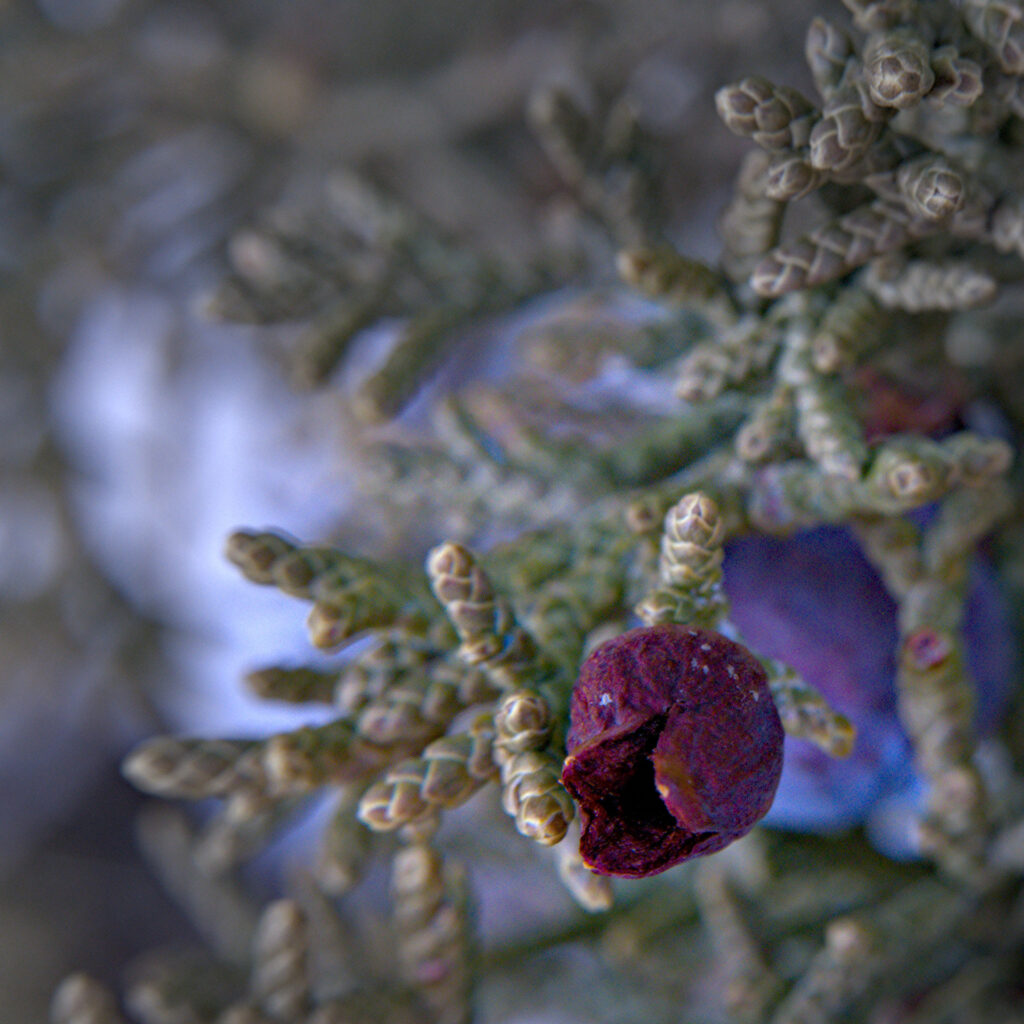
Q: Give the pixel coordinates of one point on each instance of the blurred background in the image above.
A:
(137, 139)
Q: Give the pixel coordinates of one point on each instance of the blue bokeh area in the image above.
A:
(814, 602)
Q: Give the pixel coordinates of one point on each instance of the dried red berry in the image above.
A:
(675, 748)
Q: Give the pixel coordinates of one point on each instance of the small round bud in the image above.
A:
(523, 722)
(767, 113)
(842, 135)
(695, 520)
(897, 69)
(910, 474)
(256, 554)
(932, 188)
(958, 80)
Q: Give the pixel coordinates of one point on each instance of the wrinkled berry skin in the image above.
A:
(675, 748)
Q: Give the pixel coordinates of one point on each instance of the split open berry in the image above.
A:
(675, 748)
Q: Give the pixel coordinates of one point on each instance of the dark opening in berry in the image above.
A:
(675, 748)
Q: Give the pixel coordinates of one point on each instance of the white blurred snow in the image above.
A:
(183, 432)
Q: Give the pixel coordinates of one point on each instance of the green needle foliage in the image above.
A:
(872, 223)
